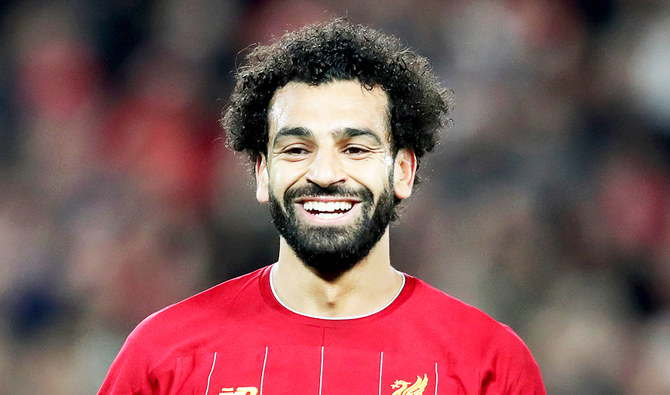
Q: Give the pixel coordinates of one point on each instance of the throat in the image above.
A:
(333, 299)
(347, 299)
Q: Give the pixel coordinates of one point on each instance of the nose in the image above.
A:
(326, 169)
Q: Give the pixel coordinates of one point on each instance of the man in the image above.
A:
(335, 118)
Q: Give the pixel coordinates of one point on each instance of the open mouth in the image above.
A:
(329, 209)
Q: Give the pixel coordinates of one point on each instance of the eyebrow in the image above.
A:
(343, 133)
(295, 132)
(353, 132)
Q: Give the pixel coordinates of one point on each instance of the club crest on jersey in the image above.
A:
(403, 387)
(239, 391)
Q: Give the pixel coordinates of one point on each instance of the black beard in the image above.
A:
(333, 250)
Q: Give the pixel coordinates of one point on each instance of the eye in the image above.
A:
(295, 151)
(356, 150)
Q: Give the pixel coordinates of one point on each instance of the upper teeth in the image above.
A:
(314, 205)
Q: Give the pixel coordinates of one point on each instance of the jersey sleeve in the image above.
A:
(521, 373)
(131, 370)
(528, 380)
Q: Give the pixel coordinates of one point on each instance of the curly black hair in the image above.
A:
(338, 50)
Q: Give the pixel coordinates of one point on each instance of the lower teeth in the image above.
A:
(328, 215)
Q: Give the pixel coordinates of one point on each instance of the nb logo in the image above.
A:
(239, 391)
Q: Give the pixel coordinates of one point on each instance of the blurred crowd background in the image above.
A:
(547, 203)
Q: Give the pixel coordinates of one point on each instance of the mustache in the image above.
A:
(331, 190)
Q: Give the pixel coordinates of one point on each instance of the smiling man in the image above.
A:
(335, 118)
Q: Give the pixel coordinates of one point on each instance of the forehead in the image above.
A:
(329, 107)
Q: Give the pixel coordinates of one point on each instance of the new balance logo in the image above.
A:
(239, 391)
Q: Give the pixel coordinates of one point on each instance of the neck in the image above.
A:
(366, 288)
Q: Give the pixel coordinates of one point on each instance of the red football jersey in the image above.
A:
(236, 338)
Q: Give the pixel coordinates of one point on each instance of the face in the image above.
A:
(330, 174)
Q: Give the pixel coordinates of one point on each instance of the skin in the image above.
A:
(333, 133)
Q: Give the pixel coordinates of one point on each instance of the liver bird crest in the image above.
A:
(403, 387)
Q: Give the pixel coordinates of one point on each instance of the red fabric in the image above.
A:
(236, 338)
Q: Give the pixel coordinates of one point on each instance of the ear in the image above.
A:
(262, 190)
(404, 172)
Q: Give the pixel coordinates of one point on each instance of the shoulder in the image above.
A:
(461, 320)
(496, 350)
(179, 329)
(211, 303)
(445, 306)
(176, 325)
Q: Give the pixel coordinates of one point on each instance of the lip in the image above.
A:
(327, 199)
(342, 219)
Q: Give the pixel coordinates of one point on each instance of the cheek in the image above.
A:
(375, 175)
(283, 176)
